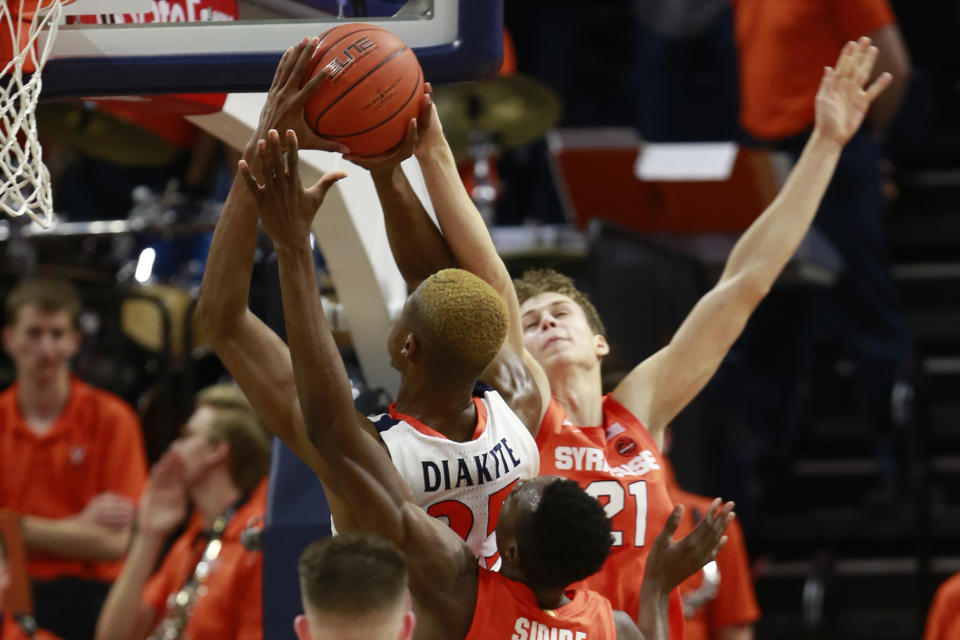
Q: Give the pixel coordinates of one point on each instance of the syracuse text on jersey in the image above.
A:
(593, 459)
(532, 630)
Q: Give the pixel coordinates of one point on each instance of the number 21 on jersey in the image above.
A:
(613, 497)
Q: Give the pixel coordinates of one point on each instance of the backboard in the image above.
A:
(192, 46)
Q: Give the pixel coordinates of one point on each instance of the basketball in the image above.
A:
(373, 89)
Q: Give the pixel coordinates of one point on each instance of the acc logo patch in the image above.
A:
(626, 446)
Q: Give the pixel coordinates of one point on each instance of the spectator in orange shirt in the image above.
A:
(354, 587)
(208, 586)
(11, 629)
(72, 458)
(943, 621)
(783, 48)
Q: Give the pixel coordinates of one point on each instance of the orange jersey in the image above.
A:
(619, 463)
(96, 445)
(736, 602)
(508, 609)
(232, 607)
(10, 630)
(943, 621)
(784, 46)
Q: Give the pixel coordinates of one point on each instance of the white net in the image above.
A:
(24, 180)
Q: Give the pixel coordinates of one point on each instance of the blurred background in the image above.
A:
(848, 485)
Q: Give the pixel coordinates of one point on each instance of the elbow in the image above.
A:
(214, 318)
(752, 287)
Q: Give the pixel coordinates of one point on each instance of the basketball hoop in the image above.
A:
(24, 180)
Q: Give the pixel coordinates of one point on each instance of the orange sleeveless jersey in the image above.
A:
(508, 610)
(619, 463)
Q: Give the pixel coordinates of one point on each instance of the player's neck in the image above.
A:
(213, 495)
(447, 408)
(546, 598)
(580, 392)
(41, 401)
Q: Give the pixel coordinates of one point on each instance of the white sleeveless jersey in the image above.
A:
(464, 483)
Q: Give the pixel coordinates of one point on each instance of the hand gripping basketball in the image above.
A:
(286, 100)
(285, 208)
(417, 130)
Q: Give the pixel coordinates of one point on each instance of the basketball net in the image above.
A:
(24, 180)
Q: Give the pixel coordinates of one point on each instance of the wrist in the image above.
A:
(292, 246)
(826, 143)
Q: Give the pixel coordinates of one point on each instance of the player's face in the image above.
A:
(40, 342)
(198, 453)
(556, 332)
(519, 504)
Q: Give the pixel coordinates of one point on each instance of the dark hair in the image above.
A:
(354, 573)
(48, 295)
(566, 539)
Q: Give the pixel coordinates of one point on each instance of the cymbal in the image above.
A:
(102, 136)
(515, 110)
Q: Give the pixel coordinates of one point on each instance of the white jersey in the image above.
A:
(464, 483)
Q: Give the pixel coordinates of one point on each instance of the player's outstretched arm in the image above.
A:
(671, 562)
(660, 387)
(256, 356)
(522, 380)
(365, 477)
(416, 243)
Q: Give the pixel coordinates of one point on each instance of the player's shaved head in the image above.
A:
(561, 533)
(354, 585)
(537, 281)
(460, 318)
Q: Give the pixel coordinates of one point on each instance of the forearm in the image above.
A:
(740, 632)
(463, 228)
(124, 615)
(226, 278)
(653, 618)
(74, 538)
(322, 383)
(417, 245)
(770, 242)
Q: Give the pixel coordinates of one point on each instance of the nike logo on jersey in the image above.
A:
(467, 472)
(533, 630)
(593, 459)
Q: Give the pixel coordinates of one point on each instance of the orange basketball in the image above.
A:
(373, 90)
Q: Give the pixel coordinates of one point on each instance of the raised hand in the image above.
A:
(286, 99)
(285, 208)
(163, 504)
(842, 101)
(417, 129)
(671, 562)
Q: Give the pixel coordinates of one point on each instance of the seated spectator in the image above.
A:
(354, 587)
(10, 628)
(208, 586)
(719, 602)
(943, 621)
(72, 458)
